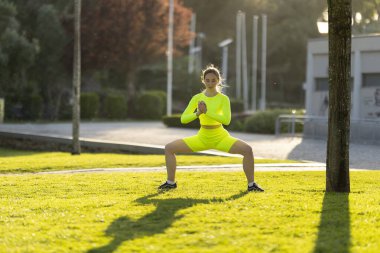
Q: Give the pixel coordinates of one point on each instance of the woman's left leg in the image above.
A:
(242, 148)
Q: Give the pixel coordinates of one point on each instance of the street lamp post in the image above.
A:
(192, 44)
(170, 59)
(254, 63)
(224, 45)
(238, 54)
(263, 63)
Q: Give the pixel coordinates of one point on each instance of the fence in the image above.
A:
(361, 130)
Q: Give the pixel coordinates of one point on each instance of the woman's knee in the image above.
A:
(169, 148)
(247, 150)
(174, 147)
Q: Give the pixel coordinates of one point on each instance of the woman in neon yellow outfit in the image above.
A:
(213, 110)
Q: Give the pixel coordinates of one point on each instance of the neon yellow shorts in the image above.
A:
(217, 138)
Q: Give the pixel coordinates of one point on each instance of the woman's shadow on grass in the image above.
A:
(124, 229)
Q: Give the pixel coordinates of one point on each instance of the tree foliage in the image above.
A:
(48, 70)
(17, 52)
(127, 34)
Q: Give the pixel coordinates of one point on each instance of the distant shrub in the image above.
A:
(150, 105)
(115, 106)
(175, 121)
(263, 122)
(162, 95)
(237, 105)
(32, 107)
(89, 105)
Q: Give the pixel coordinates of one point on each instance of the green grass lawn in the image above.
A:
(13, 161)
(208, 212)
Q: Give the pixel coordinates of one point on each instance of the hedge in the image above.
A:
(150, 105)
(89, 105)
(263, 122)
(32, 107)
(175, 121)
(237, 105)
(115, 106)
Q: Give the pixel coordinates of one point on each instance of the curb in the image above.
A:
(64, 143)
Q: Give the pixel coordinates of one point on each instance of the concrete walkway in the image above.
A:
(153, 132)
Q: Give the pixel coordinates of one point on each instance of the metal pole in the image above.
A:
(225, 59)
(263, 64)
(254, 64)
(244, 62)
(76, 149)
(224, 45)
(170, 58)
(198, 65)
(238, 55)
(192, 43)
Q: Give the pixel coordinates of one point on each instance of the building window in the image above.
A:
(321, 84)
(371, 80)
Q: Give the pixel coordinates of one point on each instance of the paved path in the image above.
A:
(153, 132)
(208, 168)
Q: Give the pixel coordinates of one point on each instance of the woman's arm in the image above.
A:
(189, 115)
(225, 118)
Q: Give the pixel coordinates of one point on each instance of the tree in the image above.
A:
(17, 54)
(48, 71)
(124, 35)
(337, 164)
(76, 77)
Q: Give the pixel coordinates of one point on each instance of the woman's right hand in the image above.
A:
(202, 107)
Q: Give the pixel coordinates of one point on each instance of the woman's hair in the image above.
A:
(211, 69)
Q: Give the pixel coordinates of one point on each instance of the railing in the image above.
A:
(291, 119)
(366, 130)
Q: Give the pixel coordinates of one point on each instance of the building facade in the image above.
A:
(365, 89)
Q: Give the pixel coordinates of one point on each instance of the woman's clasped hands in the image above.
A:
(202, 108)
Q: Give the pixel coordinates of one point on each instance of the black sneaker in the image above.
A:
(167, 186)
(255, 187)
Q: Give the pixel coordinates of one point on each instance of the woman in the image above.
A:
(213, 109)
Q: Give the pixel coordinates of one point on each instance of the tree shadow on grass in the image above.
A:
(334, 228)
(123, 228)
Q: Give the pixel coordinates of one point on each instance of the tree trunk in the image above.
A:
(76, 78)
(337, 163)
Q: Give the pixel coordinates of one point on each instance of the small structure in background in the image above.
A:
(365, 89)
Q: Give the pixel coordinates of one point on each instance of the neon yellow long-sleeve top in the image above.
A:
(218, 110)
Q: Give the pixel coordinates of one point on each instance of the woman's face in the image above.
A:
(211, 80)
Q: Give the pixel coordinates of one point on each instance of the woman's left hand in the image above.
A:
(202, 106)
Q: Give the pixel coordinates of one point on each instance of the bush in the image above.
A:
(150, 105)
(12, 107)
(263, 122)
(237, 105)
(89, 104)
(235, 125)
(32, 107)
(163, 97)
(115, 106)
(175, 121)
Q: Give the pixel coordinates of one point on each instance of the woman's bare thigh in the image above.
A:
(178, 146)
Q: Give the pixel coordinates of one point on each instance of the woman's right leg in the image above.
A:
(177, 146)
